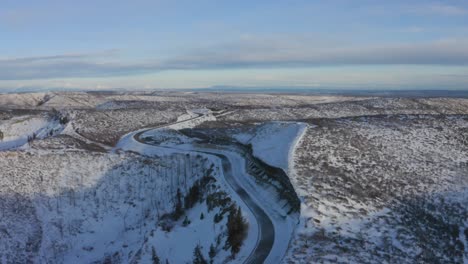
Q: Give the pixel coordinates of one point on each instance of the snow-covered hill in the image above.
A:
(383, 190)
(17, 131)
(380, 180)
(272, 142)
(64, 206)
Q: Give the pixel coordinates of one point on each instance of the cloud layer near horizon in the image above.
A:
(248, 52)
(182, 43)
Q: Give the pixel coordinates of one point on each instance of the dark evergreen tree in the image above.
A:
(217, 218)
(237, 230)
(107, 260)
(193, 196)
(154, 256)
(178, 210)
(198, 256)
(212, 253)
(186, 221)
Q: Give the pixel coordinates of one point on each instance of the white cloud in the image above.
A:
(443, 9)
(250, 52)
(413, 29)
(300, 52)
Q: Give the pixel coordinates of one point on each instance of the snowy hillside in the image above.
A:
(120, 177)
(64, 198)
(22, 100)
(95, 206)
(272, 142)
(16, 132)
(383, 189)
(108, 126)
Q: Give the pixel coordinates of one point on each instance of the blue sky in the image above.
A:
(182, 44)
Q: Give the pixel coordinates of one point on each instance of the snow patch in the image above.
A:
(274, 142)
(17, 130)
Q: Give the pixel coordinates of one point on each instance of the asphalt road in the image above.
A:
(266, 231)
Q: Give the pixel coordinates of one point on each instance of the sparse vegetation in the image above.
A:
(381, 179)
(151, 189)
(401, 177)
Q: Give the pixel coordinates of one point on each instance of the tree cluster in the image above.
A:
(179, 209)
(193, 196)
(237, 230)
(32, 138)
(57, 115)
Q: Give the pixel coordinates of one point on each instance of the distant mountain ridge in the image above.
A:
(411, 93)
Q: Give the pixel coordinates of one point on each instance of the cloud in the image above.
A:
(443, 9)
(246, 53)
(270, 52)
(413, 29)
(70, 56)
(69, 66)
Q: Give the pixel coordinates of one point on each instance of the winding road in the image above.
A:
(266, 231)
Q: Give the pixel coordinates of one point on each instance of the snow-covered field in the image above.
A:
(273, 142)
(15, 131)
(91, 206)
(380, 180)
(383, 190)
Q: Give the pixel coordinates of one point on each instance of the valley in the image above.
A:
(131, 177)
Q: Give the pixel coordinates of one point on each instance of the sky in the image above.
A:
(143, 44)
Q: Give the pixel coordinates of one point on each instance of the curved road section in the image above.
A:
(266, 231)
(275, 228)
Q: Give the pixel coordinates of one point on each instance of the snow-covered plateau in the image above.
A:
(185, 177)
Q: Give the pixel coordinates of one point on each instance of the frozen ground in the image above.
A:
(92, 206)
(272, 142)
(381, 180)
(16, 130)
(383, 190)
